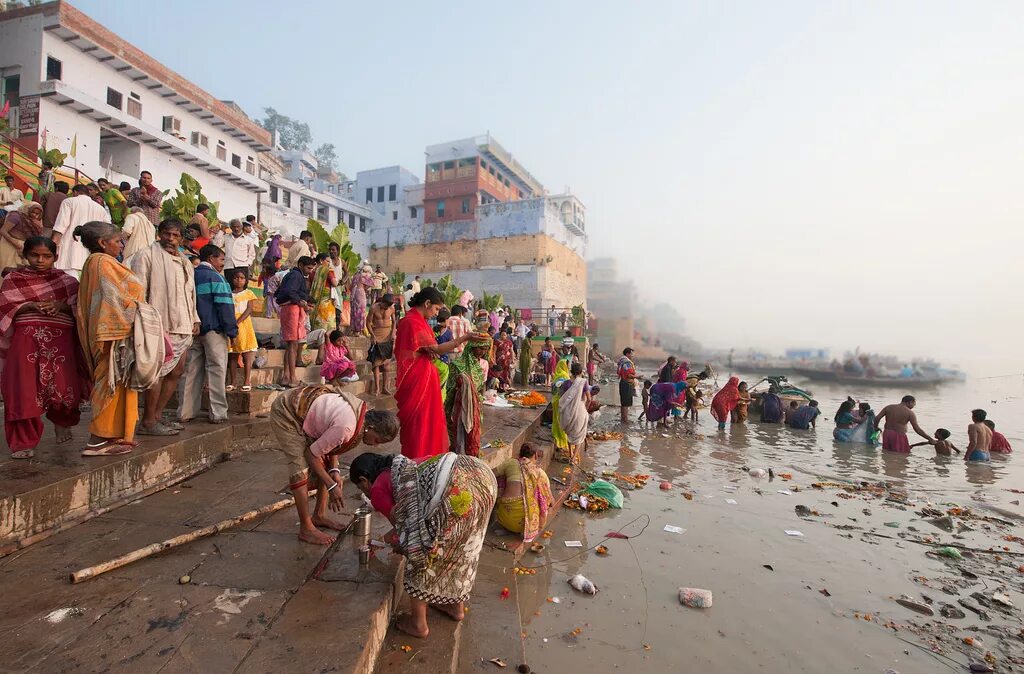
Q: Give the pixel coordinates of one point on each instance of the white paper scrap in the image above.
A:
(673, 529)
(785, 492)
(573, 544)
(730, 501)
(794, 532)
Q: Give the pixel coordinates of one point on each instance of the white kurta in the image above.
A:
(75, 211)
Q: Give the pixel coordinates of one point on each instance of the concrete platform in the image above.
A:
(258, 599)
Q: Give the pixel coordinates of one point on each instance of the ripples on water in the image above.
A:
(684, 450)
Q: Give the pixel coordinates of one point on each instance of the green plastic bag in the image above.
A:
(605, 490)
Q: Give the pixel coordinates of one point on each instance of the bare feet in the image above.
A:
(315, 536)
(63, 434)
(406, 624)
(385, 391)
(454, 611)
(327, 523)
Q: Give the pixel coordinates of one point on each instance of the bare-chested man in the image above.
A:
(979, 438)
(894, 438)
(381, 321)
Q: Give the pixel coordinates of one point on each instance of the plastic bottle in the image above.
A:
(695, 597)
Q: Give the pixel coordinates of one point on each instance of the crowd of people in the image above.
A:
(676, 392)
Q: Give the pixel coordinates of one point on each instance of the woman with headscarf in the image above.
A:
(570, 418)
(504, 356)
(140, 232)
(321, 291)
(851, 427)
(41, 368)
(464, 388)
(273, 254)
(525, 494)
(18, 227)
(108, 299)
(664, 399)
(725, 401)
(424, 430)
(360, 283)
(439, 508)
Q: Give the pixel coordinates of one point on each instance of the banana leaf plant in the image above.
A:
(187, 197)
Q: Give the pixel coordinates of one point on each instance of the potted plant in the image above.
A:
(577, 319)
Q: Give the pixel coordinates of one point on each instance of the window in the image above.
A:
(490, 169)
(273, 194)
(286, 198)
(250, 165)
(135, 105)
(465, 205)
(200, 140)
(412, 211)
(362, 224)
(380, 194)
(54, 68)
(351, 221)
(115, 99)
(222, 151)
(392, 192)
(321, 212)
(236, 161)
(483, 164)
(449, 164)
(394, 215)
(369, 195)
(306, 206)
(341, 217)
(440, 208)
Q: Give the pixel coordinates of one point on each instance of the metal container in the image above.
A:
(362, 524)
(364, 555)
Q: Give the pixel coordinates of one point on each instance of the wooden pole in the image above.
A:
(152, 549)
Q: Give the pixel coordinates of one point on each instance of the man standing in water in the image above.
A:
(627, 377)
(979, 438)
(897, 416)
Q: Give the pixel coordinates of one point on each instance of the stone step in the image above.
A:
(310, 375)
(275, 357)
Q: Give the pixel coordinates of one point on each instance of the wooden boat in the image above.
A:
(848, 379)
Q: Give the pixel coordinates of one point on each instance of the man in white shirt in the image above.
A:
(521, 331)
(9, 194)
(239, 250)
(416, 284)
(75, 211)
(380, 280)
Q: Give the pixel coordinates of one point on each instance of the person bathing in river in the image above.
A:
(790, 411)
(725, 401)
(979, 438)
(739, 414)
(897, 416)
(804, 417)
(854, 425)
(943, 446)
(1000, 444)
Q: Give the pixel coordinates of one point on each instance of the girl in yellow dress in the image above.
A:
(245, 344)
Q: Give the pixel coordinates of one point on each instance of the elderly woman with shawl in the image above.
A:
(725, 401)
(18, 227)
(418, 384)
(360, 283)
(463, 388)
(41, 368)
(525, 494)
(109, 296)
(321, 291)
(570, 418)
(439, 508)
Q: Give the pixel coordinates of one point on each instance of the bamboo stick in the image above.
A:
(152, 549)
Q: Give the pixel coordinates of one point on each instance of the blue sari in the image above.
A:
(863, 432)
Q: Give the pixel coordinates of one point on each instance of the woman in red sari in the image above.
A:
(424, 430)
(725, 401)
(41, 366)
(503, 358)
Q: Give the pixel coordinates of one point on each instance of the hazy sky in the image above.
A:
(786, 173)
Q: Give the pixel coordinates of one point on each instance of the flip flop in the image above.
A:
(246, 388)
(229, 387)
(106, 448)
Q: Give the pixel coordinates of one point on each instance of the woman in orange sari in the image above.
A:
(108, 296)
(725, 401)
(424, 430)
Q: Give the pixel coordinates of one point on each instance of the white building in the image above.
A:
(70, 80)
(297, 193)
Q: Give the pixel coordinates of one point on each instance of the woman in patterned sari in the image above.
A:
(439, 509)
(321, 290)
(525, 494)
(424, 431)
(570, 418)
(41, 368)
(109, 294)
(359, 284)
(504, 356)
(463, 390)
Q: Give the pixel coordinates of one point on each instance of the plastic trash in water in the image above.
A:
(952, 553)
(757, 473)
(583, 584)
(695, 597)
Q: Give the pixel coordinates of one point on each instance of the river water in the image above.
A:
(822, 601)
